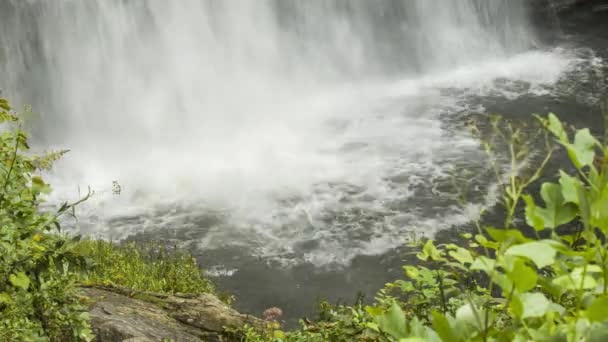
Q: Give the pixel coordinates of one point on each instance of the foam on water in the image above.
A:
(358, 171)
(300, 131)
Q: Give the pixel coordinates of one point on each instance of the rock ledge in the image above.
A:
(121, 315)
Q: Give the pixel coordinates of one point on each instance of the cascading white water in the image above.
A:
(306, 126)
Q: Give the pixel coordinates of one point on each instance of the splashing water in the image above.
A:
(302, 131)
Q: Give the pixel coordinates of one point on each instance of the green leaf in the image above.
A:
(483, 263)
(502, 235)
(554, 125)
(524, 278)
(599, 210)
(534, 304)
(516, 306)
(393, 322)
(411, 272)
(542, 253)
(569, 186)
(443, 328)
(461, 255)
(429, 251)
(4, 105)
(533, 216)
(598, 311)
(374, 310)
(582, 152)
(20, 280)
(39, 186)
(556, 213)
(373, 326)
(577, 279)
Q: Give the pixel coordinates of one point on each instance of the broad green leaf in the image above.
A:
(503, 281)
(534, 218)
(374, 310)
(591, 268)
(39, 186)
(411, 272)
(443, 328)
(569, 187)
(485, 242)
(539, 252)
(523, 277)
(20, 280)
(393, 322)
(582, 151)
(556, 213)
(534, 304)
(502, 235)
(429, 251)
(575, 281)
(598, 311)
(373, 326)
(462, 255)
(516, 306)
(483, 263)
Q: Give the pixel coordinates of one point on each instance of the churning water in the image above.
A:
(298, 131)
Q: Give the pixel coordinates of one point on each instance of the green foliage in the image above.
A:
(501, 285)
(39, 267)
(141, 267)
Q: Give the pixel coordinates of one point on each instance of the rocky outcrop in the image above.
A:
(121, 315)
(563, 6)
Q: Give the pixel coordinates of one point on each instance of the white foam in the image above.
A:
(297, 138)
(279, 184)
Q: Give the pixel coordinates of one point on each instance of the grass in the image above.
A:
(143, 267)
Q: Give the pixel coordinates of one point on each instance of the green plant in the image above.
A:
(38, 267)
(551, 286)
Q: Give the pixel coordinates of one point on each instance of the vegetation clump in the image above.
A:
(39, 268)
(149, 268)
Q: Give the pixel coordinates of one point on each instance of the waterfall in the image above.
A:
(261, 106)
(101, 47)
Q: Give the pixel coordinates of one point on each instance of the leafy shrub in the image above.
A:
(38, 267)
(501, 284)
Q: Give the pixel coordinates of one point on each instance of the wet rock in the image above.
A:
(122, 315)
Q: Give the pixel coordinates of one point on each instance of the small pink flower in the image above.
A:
(272, 314)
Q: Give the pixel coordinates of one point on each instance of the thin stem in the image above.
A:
(487, 313)
(12, 165)
(443, 301)
(476, 314)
